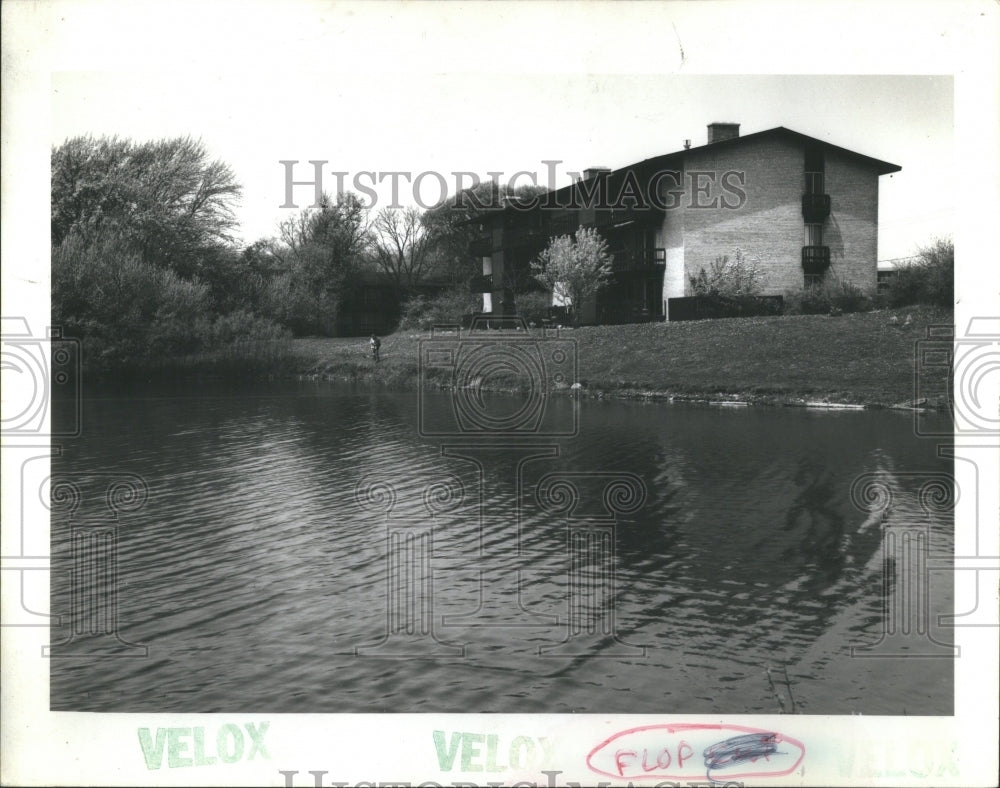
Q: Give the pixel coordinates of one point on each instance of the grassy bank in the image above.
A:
(858, 358)
(248, 360)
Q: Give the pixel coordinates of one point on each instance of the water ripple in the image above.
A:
(253, 574)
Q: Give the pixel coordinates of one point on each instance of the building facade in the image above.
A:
(805, 210)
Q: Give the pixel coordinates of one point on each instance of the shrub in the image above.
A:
(181, 322)
(445, 308)
(724, 277)
(813, 300)
(249, 341)
(244, 326)
(849, 297)
(929, 279)
(533, 306)
(831, 297)
(714, 307)
(126, 311)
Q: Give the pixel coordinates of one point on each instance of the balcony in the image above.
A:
(815, 207)
(566, 224)
(815, 259)
(526, 234)
(626, 260)
(481, 284)
(539, 233)
(613, 217)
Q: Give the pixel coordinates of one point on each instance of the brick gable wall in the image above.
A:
(769, 224)
(851, 231)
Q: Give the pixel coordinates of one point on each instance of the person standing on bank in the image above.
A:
(376, 344)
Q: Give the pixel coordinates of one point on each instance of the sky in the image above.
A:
(464, 121)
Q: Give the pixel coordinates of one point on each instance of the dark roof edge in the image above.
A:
(882, 167)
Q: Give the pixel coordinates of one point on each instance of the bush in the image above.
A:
(929, 279)
(814, 300)
(129, 313)
(244, 326)
(181, 323)
(249, 341)
(713, 307)
(533, 306)
(445, 308)
(125, 310)
(831, 297)
(739, 277)
(849, 297)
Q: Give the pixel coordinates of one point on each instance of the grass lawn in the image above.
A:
(857, 358)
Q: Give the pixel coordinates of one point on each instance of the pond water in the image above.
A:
(302, 548)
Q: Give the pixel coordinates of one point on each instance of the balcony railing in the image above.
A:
(562, 225)
(526, 232)
(815, 259)
(539, 233)
(481, 284)
(627, 260)
(610, 217)
(516, 236)
(815, 207)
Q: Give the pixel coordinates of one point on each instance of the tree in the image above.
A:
(928, 278)
(143, 259)
(322, 250)
(401, 245)
(124, 309)
(574, 266)
(452, 226)
(166, 201)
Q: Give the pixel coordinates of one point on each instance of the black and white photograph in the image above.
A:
(596, 404)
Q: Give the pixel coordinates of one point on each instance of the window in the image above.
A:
(815, 183)
(814, 235)
(815, 167)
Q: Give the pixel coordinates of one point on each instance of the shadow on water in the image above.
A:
(260, 572)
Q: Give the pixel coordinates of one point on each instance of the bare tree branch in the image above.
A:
(401, 245)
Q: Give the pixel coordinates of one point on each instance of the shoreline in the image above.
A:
(732, 400)
(860, 361)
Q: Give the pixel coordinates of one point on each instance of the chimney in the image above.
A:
(717, 132)
(687, 144)
(593, 172)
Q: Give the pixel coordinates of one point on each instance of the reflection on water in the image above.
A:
(302, 549)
